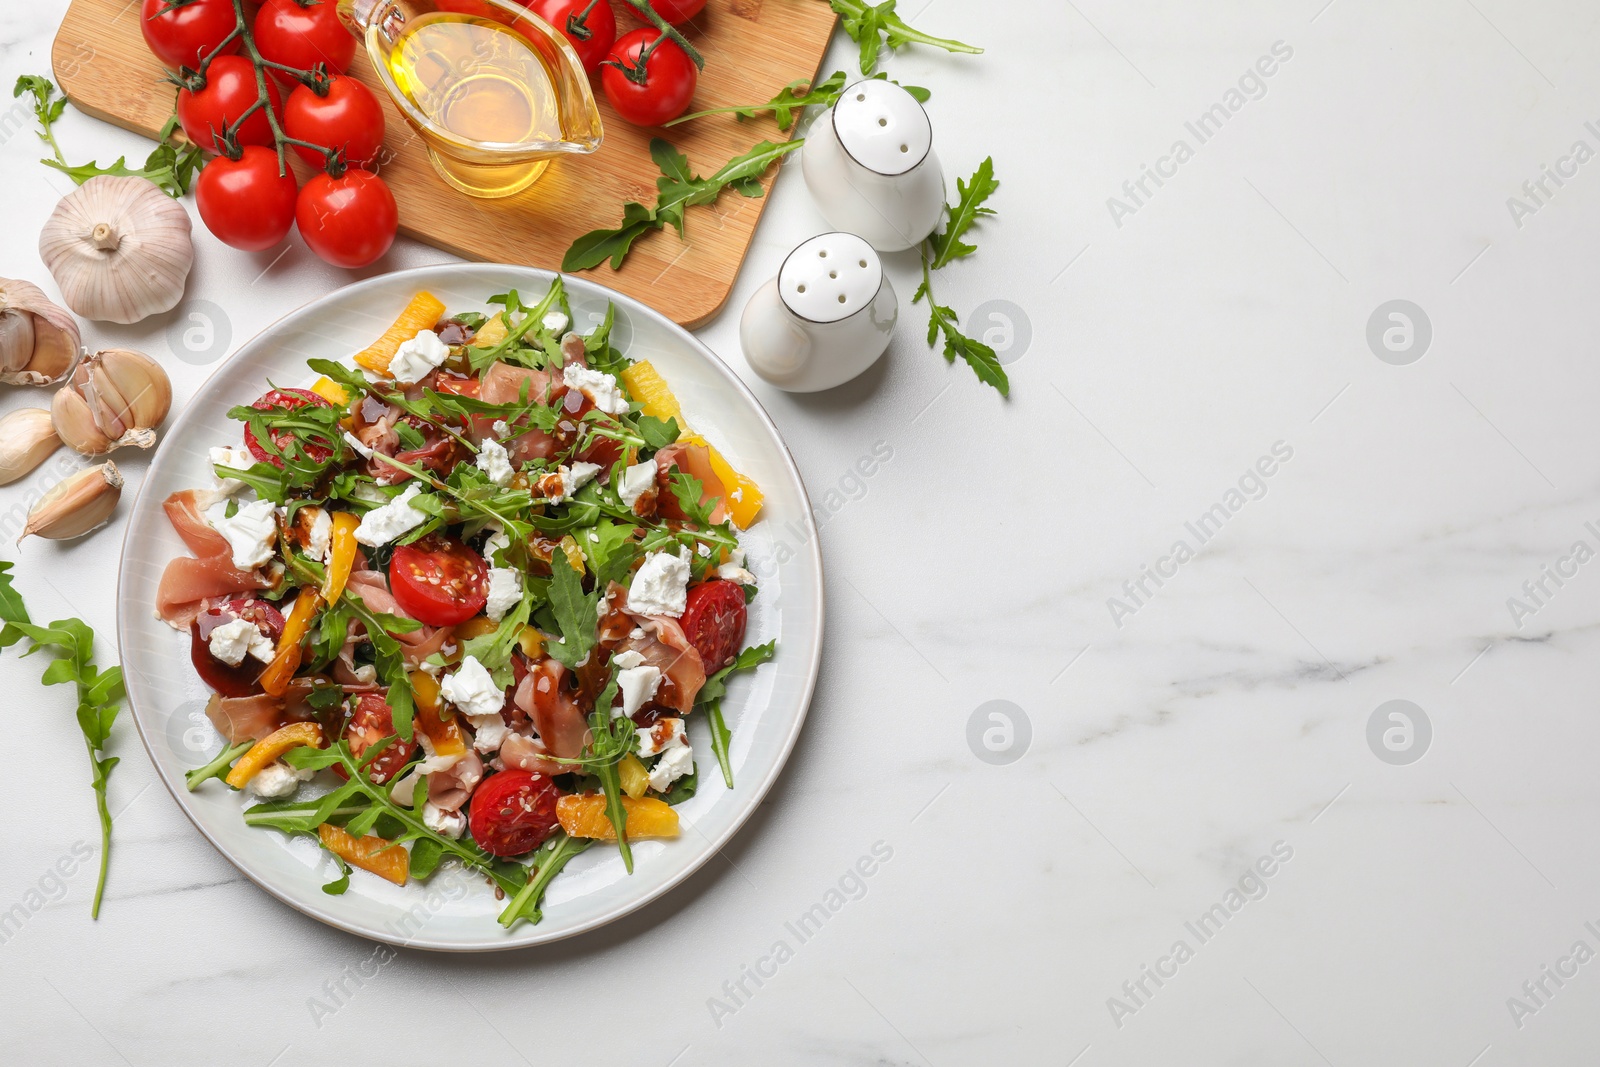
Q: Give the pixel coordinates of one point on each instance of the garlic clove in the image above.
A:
(119, 248)
(39, 342)
(115, 399)
(77, 504)
(27, 436)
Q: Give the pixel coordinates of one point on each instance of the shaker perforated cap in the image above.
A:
(830, 277)
(882, 126)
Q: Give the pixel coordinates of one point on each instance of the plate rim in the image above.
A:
(714, 845)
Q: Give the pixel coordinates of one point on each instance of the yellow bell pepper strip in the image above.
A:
(436, 721)
(275, 679)
(422, 313)
(584, 815)
(493, 332)
(269, 748)
(635, 780)
(656, 399)
(379, 855)
(531, 642)
(331, 391)
(476, 627)
(341, 556)
(569, 545)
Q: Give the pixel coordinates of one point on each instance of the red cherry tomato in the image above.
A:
(661, 91)
(182, 36)
(713, 621)
(289, 400)
(350, 221)
(302, 37)
(245, 202)
(229, 681)
(676, 11)
(229, 92)
(438, 580)
(349, 118)
(513, 812)
(590, 26)
(370, 722)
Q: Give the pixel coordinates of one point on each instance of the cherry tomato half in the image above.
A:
(229, 92)
(245, 202)
(302, 37)
(370, 722)
(438, 580)
(182, 36)
(658, 93)
(513, 812)
(590, 26)
(290, 400)
(349, 118)
(350, 221)
(713, 621)
(677, 11)
(229, 681)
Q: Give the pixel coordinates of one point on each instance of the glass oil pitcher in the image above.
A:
(494, 91)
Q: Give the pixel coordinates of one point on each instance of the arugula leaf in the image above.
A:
(610, 550)
(721, 738)
(678, 189)
(657, 434)
(947, 243)
(169, 166)
(749, 659)
(217, 768)
(341, 883)
(425, 856)
(547, 863)
(798, 95)
(607, 747)
(689, 491)
(684, 787)
(576, 613)
(943, 320)
(99, 694)
(873, 25)
(494, 648)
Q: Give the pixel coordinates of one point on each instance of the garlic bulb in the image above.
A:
(115, 398)
(39, 342)
(80, 503)
(27, 436)
(119, 248)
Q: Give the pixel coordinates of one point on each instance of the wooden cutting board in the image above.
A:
(752, 49)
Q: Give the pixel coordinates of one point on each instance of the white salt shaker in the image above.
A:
(826, 317)
(870, 165)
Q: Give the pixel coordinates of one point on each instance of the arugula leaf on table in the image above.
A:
(798, 95)
(547, 863)
(678, 189)
(943, 320)
(874, 25)
(169, 166)
(99, 694)
(947, 243)
(575, 612)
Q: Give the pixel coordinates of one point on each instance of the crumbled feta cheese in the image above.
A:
(502, 428)
(660, 585)
(489, 732)
(597, 386)
(403, 789)
(670, 733)
(234, 458)
(623, 660)
(636, 480)
(555, 321)
(703, 549)
(581, 474)
(366, 674)
(356, 443)
(382, 525)
(250, 533)
(276, 779)
(734, 571)
(472, 690)
(415, 358)
(637, 633)
(637, 685)
(674, 763)
(505, 591)
(497, 541)
(236, 638)
(495, 461)
(319, 535)
(451, 824)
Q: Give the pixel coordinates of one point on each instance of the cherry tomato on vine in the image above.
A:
(349, 117)
(513, 812)
(182, 36)
(302, 37)
(676, 11)
(438, 580)
(648, 78)
(230, 90)
(590, 26)
(245, 202)
(351, 220)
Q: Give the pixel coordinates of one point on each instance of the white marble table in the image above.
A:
(1187, 765)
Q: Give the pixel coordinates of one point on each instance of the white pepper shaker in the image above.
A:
(870, 166)
(826, 317)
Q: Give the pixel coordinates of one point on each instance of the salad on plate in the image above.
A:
(461, 601)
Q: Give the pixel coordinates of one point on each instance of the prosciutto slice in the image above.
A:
(695, 461)
(546, 699)
(529, 754)
(373, 590)
(245, 718)
(449, 789)
(189, 581)
(665, 647)
(503, 384)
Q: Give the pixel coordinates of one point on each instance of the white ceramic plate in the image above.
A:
(765, 709)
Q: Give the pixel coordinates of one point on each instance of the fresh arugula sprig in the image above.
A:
(945, 246)
(710, 699)
(99, 694)
(610, 739)
(797, 96)
(576, 612)
(678, 189)
(874, 25)
(547, 862)
(170, 167)
(218, 767)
